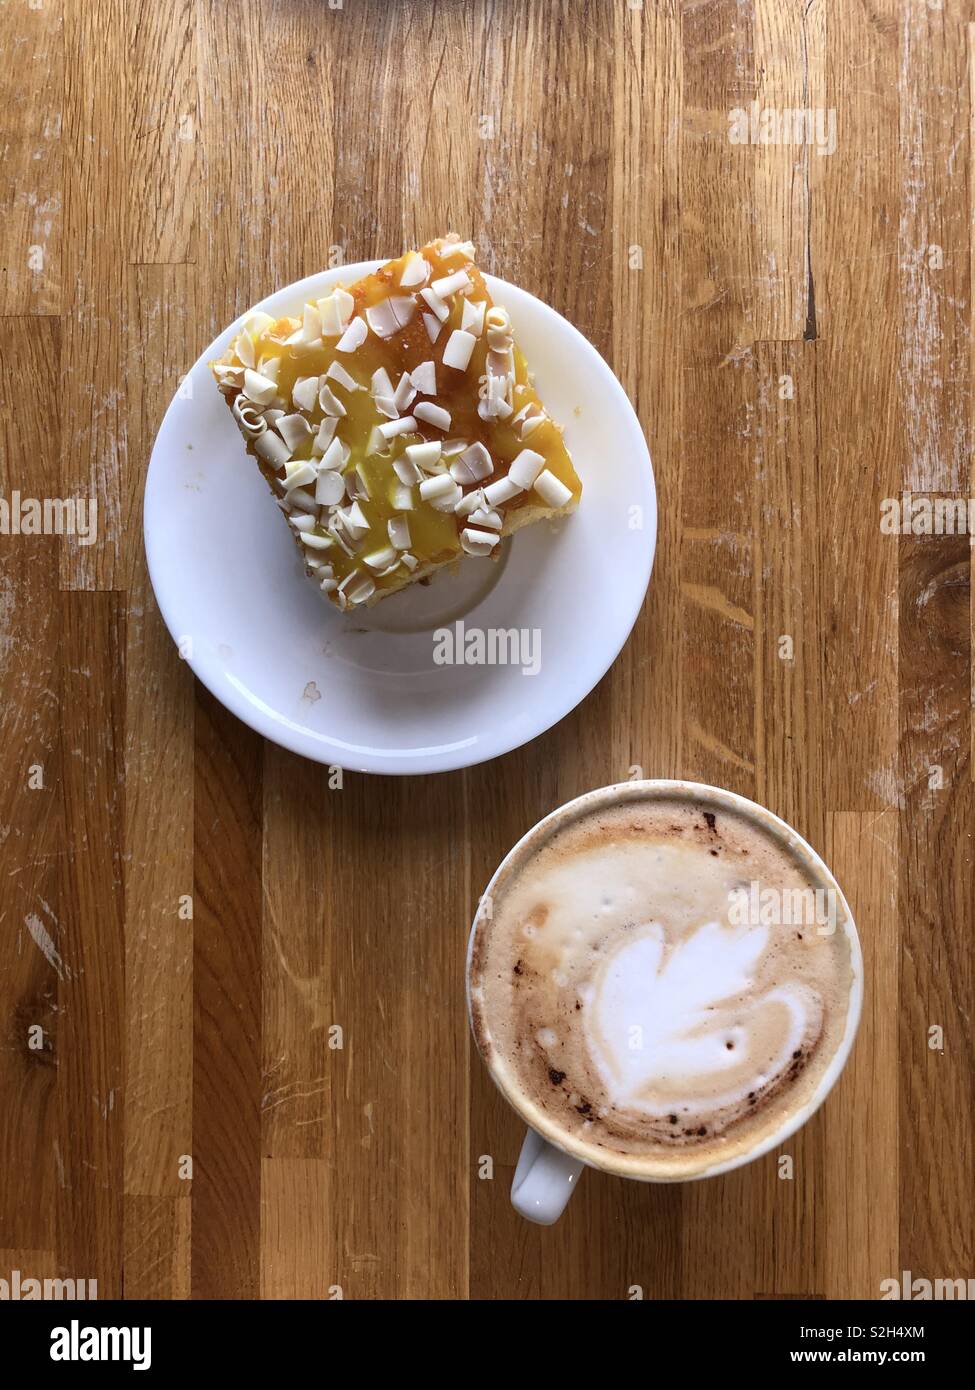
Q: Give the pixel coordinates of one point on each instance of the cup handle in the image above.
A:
(544, 1180)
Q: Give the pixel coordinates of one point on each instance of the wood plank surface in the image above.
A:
(236, 1060)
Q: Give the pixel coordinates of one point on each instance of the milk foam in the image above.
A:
(668, 1027)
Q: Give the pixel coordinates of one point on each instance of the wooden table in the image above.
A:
(189, 913)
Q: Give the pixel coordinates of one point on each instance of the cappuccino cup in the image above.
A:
(664, 981)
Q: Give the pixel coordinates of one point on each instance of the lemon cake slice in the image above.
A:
(397, 424)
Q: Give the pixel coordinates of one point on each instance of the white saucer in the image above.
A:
(363, 690)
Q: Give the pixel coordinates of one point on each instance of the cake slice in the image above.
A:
(397, 424)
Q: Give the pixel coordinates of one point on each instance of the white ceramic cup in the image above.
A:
(551, 1160)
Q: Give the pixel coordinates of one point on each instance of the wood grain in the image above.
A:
(91, 982)
(861, 847)
(32, 925)
(935, 828)
(158, 754)
(31, 194)
(254, 1077)
(227, 1005)
(97, 155)
(859, 458)
(165, 138)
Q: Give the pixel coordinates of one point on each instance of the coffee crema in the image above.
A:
(663, 978)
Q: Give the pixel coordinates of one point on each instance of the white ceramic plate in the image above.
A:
(363, 690)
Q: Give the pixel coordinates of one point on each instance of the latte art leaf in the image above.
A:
(672, 1027)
